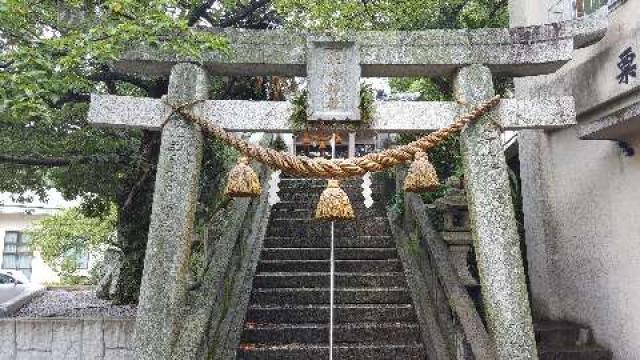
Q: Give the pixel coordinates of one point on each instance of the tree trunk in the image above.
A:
(135, 198)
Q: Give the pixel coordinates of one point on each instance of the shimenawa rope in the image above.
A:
(337, 168)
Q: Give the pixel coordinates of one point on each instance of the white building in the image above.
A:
(581, 199)
(15, 218)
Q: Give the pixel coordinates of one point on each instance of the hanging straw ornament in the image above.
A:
(334, 204)
(422, 176)
(243, 181)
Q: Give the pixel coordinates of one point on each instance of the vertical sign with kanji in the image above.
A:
(627, 66)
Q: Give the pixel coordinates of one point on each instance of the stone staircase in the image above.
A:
(561, 340)
(288, 314)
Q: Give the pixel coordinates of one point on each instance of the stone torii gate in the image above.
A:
(333, 67)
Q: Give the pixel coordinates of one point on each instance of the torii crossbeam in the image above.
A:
(334, 67)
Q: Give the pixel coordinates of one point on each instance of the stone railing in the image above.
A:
(217, 301)
(451, 325)
(60, 339)
(212, 317)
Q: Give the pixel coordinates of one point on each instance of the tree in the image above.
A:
(64, 236)
(53, 54)
(349, 15)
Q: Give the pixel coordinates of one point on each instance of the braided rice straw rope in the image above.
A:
(339, 168)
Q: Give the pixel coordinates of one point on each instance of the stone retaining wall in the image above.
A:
(62, 339)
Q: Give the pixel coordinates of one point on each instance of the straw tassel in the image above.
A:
(334, 204)
(422, 176)
(243, 181)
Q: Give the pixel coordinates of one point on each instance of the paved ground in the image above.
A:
(82, 303)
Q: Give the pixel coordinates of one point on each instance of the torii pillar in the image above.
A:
(170, 233)
(495, 235)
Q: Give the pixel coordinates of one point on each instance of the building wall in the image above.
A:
(581, 197)
(41, 273)
(19, 215)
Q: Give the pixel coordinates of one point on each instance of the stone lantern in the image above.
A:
(456, 230)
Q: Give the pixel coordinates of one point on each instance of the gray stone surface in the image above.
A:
(8, 336)
(425, 305)
(33, 355)
(215, 307)
(232, 324)
(493, 222)
(333, 73)
(519, 51)
(110, 277)
(622, 125)
(117, 334)
(32, 335)
(65, 339)
(432, 249)
(66, 343)
(73, 304)
(163, 289)
(118, 354)
(93, 339)
(273, 116)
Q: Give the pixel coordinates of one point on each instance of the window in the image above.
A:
(6, 279)
(586, 7)
(17, 253)
(79, 257)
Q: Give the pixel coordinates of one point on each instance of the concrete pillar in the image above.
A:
(166, 264)
(493, 222)
(352, 144)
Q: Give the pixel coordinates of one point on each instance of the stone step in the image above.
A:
(304, 184)
(307, 211)
(321, 280)
(281, 296)
(311, 196)
(358, 206)
(343, 242)
(388, 265)
(324, 253)
(376, 226)
(340, 351)
(319, 314)
(590, 352)
(367, 333)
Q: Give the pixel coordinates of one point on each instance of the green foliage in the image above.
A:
(218, 159)
(52, 55)
(341, 16)
(73, 280)
(278, 143)
(396, 204)
(426, 87)
(367, 102)
(299, 114)
(61, 237)
(300, 108)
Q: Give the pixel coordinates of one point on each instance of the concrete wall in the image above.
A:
(66, 339)
(581, 197)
